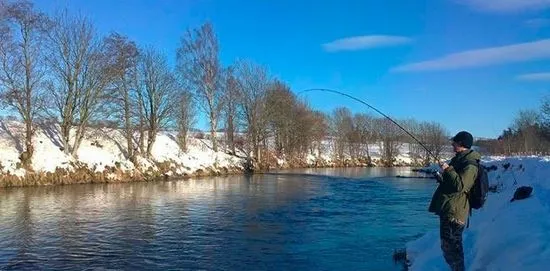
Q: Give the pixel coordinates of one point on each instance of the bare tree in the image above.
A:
(508, 141)
(526, 124)
(292, 124)
(342, 129)
(545, 111)
(281, 106)
(142, 124)
(253, 84)
(198, 63)
(157, 89)
(319, 131)
(437, 139)
(185, 117)
(528, 134)
(391, 140)
(308, 129)
(364, 125)
(79, 70)
(545, 123)
(123, 55)
(230, 109)
(434, 137)
(416, 151)
(22, 35)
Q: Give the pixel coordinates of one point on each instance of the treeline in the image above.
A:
(59, 69)
(529, 134)
(355, 134)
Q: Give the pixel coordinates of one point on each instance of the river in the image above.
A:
(317, 219)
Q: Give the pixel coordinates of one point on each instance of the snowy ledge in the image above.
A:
(503, 235)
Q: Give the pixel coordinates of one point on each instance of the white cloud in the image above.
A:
(542, 76)
(538, 22)
(484, 57)
(364, 42)
(503, 6)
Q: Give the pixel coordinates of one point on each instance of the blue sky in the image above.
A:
(470, 64)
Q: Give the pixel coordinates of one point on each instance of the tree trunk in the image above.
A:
(141, 130)
(265, 149)
(526, 143)
(24, 100)
(213, 125)
(29, 149)
(231, 134)
(388, 150)
(141, 140)
(78, 139)
(182, 140)
(257, 153)
(151, 136)
(128, 126)
(26, 156)
(65, 136)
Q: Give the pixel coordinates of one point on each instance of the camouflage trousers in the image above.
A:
(450, 233)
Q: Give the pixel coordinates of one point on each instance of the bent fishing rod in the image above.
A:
(373, 108)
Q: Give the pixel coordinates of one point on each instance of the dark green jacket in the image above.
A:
(450, 199)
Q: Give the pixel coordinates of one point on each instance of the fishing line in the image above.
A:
(373, 108)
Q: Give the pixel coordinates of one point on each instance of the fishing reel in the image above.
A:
(438, 176)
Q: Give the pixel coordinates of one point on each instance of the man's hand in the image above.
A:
(444, 165)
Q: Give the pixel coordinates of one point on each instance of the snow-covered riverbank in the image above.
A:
(104, 151)
(102, 156)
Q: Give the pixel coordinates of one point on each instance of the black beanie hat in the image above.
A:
(465, 139)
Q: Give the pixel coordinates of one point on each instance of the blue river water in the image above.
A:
(318, 219)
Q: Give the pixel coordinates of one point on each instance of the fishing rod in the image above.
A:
(373, 108)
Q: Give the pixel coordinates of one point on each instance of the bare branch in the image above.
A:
(157, 89)
(22, 70)
(198, 66)
(80, 75)
(253, 83)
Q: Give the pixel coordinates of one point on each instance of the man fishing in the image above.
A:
(450, 199)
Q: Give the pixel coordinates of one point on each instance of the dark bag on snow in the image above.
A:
(522, 193)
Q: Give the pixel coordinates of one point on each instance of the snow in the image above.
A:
(198, 156)
(503, 235)
(102, 148)
(9, 145)
(47, 155)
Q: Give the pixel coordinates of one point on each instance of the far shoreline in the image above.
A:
(86, 176)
